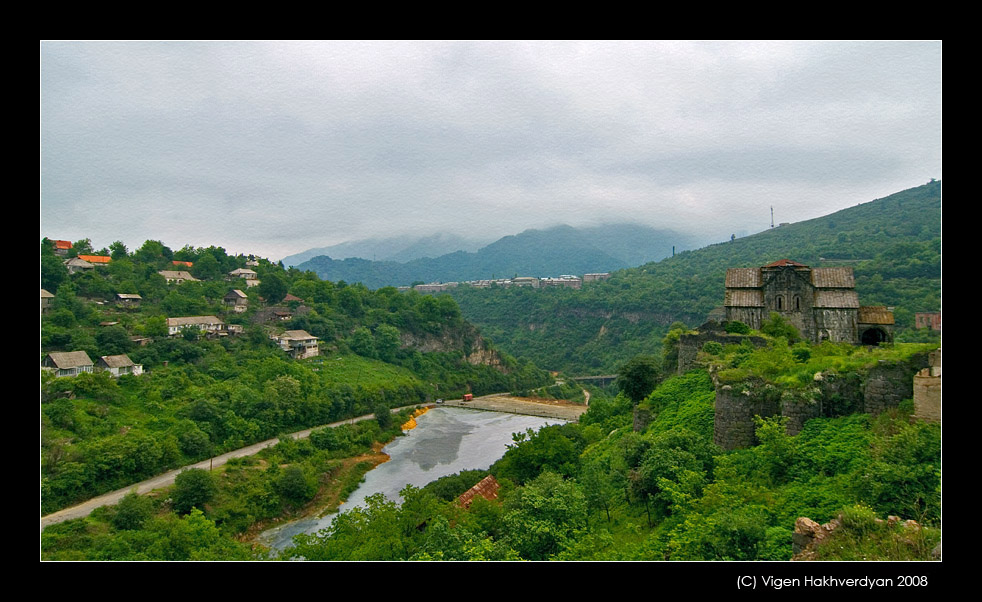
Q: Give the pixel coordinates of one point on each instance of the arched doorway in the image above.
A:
(873, 336)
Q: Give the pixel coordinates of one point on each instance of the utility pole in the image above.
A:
(772, 216)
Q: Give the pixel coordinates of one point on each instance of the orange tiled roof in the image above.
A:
(184, 263)
(95, 258)
(63, 244)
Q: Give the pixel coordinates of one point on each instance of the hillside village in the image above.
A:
(298, 344)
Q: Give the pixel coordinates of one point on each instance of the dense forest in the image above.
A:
(595, 490)
(893, 245)
(203, 395)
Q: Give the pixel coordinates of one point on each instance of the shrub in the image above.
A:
(736, 327)
(712, 348)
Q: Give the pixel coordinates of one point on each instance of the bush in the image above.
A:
(193, 488)
(859, 518)
(712, 348)
(132, 511)
(736, 327)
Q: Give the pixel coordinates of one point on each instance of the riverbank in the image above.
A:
(544, 408)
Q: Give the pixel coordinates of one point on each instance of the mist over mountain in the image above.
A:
(394, 248)
(549, 252)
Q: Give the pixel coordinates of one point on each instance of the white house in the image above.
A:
(117, 365)
(67, 363)
(206, 324)
(299, 344)
(177, 276)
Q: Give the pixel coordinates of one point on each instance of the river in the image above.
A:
(444, 442)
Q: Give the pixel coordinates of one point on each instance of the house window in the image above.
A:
(797, 303)
(779, 302)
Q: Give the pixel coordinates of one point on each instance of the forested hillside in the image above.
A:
(893, 244)
(203, 395)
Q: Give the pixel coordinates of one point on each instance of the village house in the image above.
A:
(250, 277)
(182, 264)
(236, 301)
(67, 363)
(62, 247)
(128, 299)
(178, 276)
(821, 303)
(118, 365)
(206, 324)
(76, 265)
(47, 300)
(96, 259)
(300, 344)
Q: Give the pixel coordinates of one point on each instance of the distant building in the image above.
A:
(236, 301)
(526, 281)
(67, 363)
(183, 264)
(434, 287)
(562, 281)
(300, 344)
(930, 320)
(76, 265)
(178, 276)
(595, 277)
(62, 247)
(96, 259)
(249, 276)
(821, 303)
(47, 299)
(128, 299)
(206, 324)
(118, 365)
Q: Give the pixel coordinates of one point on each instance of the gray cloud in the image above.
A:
(276, 147)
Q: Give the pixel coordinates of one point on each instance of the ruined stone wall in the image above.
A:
(882, 387)
(888, 384)
(736, 407)
(800, 407)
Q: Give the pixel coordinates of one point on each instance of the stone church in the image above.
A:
(820, 302)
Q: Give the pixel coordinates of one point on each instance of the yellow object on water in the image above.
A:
(411, 424)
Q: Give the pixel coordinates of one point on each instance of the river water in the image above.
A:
(445, 441)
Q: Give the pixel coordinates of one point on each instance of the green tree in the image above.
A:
(193, 488)
(272, 287)
(132, 511)
(638, 377)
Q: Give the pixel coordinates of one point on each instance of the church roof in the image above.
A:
(744, 298)
(743, 278)
(833, 278)
(836, 299)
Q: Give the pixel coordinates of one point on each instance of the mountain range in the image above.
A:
(548, 252)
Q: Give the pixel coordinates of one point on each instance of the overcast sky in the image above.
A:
(276, 147)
